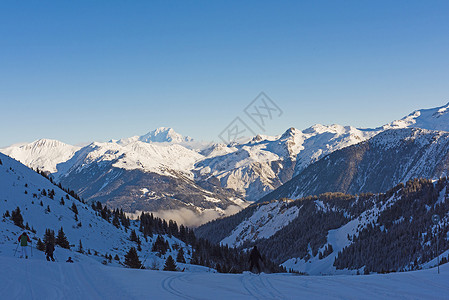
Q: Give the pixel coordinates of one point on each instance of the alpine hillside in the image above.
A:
(336, 233)
(32, 203)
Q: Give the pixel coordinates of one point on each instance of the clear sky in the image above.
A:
(80, 71)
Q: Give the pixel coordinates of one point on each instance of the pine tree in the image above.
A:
(74, 208)
(80, 247)
(17, 218)
(132, 259)
(62, 202)
(116, 221)
(133, 236)
(40, 245)
(160, 245)
(61, 239)
(49, 237)
(180, 257)
(170, 264)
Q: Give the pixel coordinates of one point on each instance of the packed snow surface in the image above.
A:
(38, 279)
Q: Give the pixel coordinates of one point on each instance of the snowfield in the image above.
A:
(266, 221)
(38, 279)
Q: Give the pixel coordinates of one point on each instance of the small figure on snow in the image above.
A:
(254, 258)
(49, 249)
(69, 260)
(24, 240)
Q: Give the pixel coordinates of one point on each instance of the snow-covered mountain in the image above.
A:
(376, 165)
(227, 174)
(43, 154)
(148, 177)
(211, 182)
(431, 119)
(265, 163)
(344, 234)
(159, 135)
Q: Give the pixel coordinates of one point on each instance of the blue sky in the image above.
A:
(80, 71)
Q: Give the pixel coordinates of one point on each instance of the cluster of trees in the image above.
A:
(227, 260)
(117, 217)
(132, 261)
(50, 239)
(327, 251)
(68, 191)
(403, 236)
(16, 217)
(160, 245)
(305, 235)
(204, 253)
(150, 225)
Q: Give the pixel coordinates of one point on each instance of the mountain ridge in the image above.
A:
(250, 170)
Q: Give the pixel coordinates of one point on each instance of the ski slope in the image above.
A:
(38, 279)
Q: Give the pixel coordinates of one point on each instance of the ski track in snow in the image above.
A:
(259, 287)
(168, 285)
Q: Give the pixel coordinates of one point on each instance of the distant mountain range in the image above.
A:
(375, 165)
(165, 172)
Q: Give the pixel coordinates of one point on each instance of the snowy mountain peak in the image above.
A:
(291, 132)
(48, 143)
(159, 135)
(432, 119)
(44, 154)
(164, 135)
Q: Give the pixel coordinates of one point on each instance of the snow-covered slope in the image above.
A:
(265, 222)
(83, 280)
(339, 239)
(22, 187)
